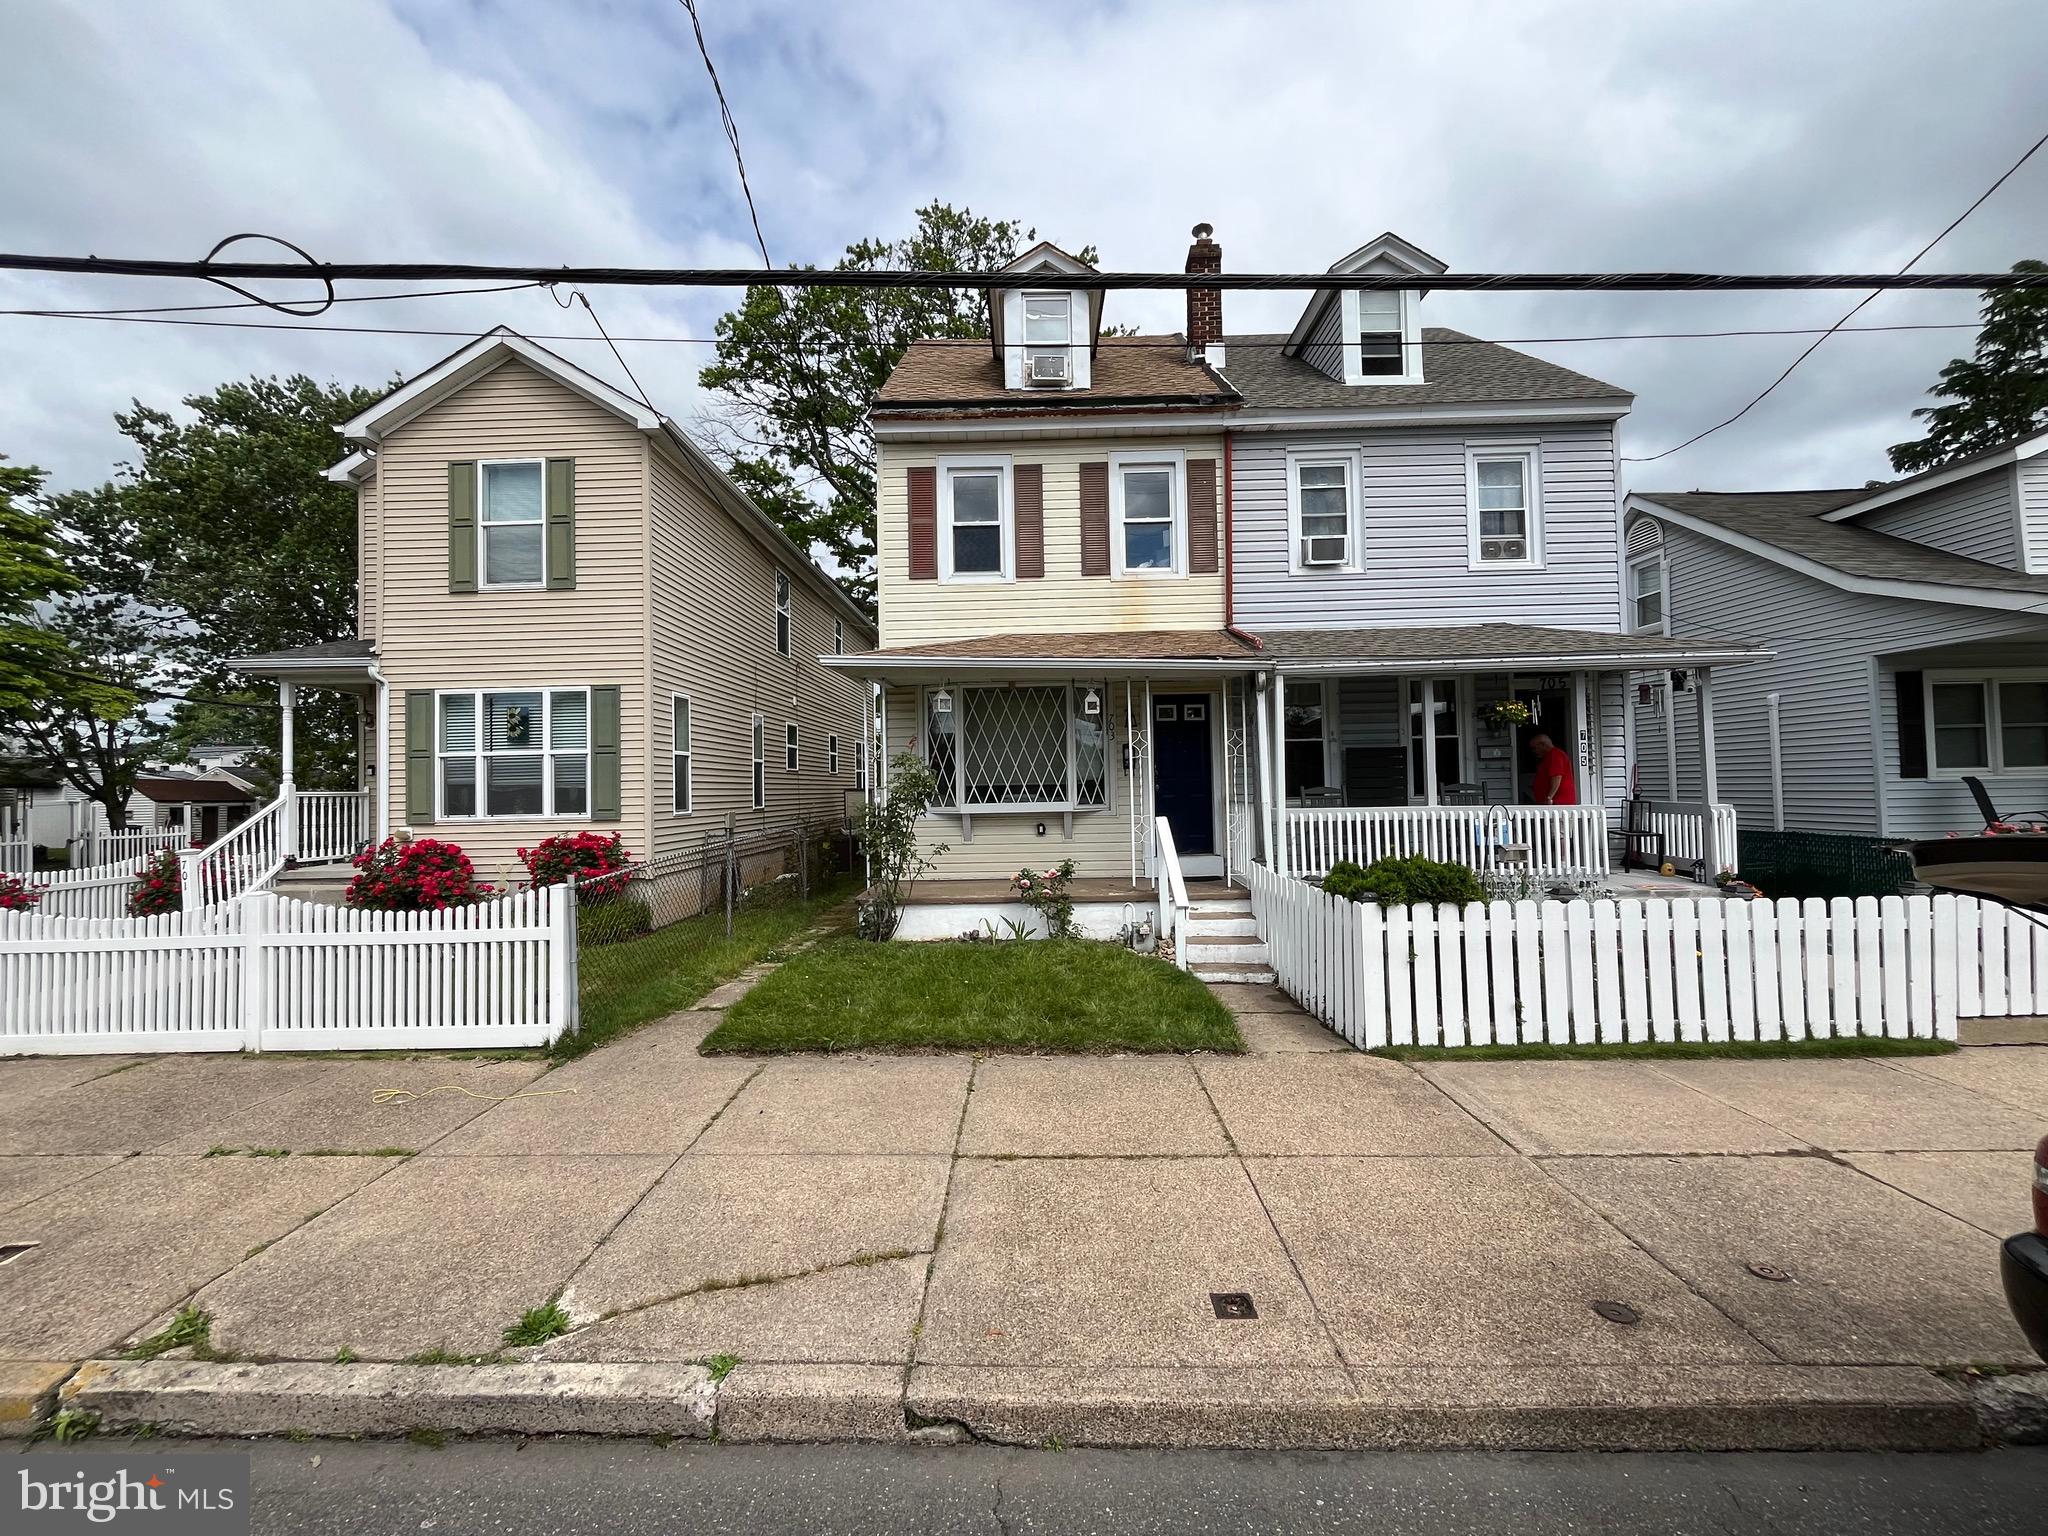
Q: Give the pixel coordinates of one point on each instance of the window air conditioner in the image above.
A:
(1503, 549)
(1047, 367)
(1325, 550)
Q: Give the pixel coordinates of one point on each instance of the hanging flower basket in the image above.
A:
(1505, 713)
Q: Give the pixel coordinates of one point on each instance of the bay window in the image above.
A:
(514, 752)
(997, 747)
(511, 518)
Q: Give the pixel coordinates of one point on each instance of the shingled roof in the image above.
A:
(1457, 370)
(1792, 521)
(963, 373)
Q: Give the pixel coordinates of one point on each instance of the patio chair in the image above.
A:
(1636, 835)
(1990, 812)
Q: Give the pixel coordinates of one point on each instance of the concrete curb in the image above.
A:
(28, 1393)
(203, 1398)
(1723, 1407)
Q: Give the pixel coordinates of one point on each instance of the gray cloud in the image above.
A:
(1745, 136)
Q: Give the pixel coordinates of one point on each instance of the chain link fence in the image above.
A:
(653, 938)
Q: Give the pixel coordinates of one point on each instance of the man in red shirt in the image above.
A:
(1553, 784)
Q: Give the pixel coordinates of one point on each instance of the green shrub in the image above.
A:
(1404, 882)
(610, 919)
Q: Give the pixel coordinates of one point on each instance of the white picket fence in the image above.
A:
(17, 856)
(269, 973)
(104, 847)
(1607, 972)
(98, 890)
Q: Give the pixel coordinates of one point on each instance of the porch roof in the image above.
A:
(333, 662)
(1491, 648)
(1130, 652)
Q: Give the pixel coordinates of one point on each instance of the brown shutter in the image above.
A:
(924, 523)
(1094, 519)
(1202, 516)
(1030, 498)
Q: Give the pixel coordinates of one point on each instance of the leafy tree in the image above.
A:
(1996, 396)
(93, 723)
(32, 574)
(800, 367)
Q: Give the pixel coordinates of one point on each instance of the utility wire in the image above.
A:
(355, 298)
(1852, 312)
(812, 277)
(580, 297)
(1140, 343)
(732, 129)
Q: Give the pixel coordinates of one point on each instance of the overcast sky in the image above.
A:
(1526, 136)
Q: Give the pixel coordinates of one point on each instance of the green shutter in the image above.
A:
(561, 524)
(462, 527)
(604, 754)
(419, 756)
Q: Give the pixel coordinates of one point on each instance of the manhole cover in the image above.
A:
(1617, 1311)
(1769, 1272)
(1232, 1304)
(9, 1252)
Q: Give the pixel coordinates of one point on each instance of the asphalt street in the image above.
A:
(566, 1488)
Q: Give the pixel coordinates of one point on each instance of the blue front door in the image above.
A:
(1184, 771)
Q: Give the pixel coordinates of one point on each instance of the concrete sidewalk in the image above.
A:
(1030, 1247)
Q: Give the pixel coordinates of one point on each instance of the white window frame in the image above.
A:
(1329, 732)
(481, 756)
(1310, 455)
(839, 637)
(1411, 342)
(680, 755)
(1994, 722)
(1654, 562)
(760, 761)
(1175, 462)
(1006, 519)
(483, 563)
(792, 755)
(783, 624)
(1064, 344)
(1530, 453)
(860, 762)
(832, 754)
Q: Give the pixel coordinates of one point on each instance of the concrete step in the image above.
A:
(1244, 973)
(1226, 949)
(1220, 909)
(1235, 923)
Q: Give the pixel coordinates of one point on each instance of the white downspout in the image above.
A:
(1777, 765)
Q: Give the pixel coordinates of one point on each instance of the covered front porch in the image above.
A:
(1443, 742)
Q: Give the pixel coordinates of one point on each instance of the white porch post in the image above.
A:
(287, 699)
(1710, 789)
(1583, 766)
(1131, 775)
(1279, 703)
(1670, 740)
(383, 783)
(1262, 733)
(1427, 741)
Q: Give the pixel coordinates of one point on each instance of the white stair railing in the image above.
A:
(1173, 895)
(245, 858)
(333, 823)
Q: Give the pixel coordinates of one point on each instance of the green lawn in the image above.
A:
(1067, 995)
(624, 985)
(1649, 1050)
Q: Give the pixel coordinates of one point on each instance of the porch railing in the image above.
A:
(108, 847)
(333, 824)
(312, 825)
(1173, 896)
(1680, 825)
(1564, 841)
(17, 856)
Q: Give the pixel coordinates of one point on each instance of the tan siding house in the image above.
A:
(549, 568)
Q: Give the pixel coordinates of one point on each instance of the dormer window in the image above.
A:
(1048, 337)
(1379, 333)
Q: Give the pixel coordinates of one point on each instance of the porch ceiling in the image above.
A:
(1491, 648)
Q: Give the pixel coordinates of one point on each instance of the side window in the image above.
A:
(782, 612)
(789, 746)
(839, 637)
(1646, 594)
(760, 762)
(679, 762)
(832, 755)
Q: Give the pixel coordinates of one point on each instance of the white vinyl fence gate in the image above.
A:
(265, 972)
(1608, 972)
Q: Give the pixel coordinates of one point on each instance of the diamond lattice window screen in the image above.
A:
(941, 748)
(1014, 746)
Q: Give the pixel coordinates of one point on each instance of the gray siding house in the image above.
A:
(1909, 624)
(1425, 526)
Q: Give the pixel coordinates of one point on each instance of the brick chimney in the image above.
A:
(1205, 305)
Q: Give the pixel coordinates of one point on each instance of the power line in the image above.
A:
(1851, 313)
(1239, 344)
(356, 298)
(580, 297)
(812, 277)
(732, 128)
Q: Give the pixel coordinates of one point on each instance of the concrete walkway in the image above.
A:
(1033, 1245)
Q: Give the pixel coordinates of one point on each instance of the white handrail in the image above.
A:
(245, 858)
(1173, 895)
